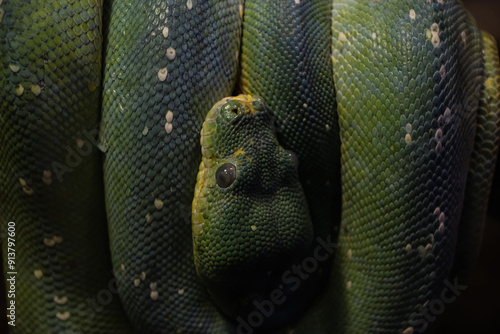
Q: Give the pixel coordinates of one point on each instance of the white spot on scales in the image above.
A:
(162, 74)
(408, 139)
(171, 53)
(36, 90)
(409, 330)
(14, 68)
(60, 300)
(25, 187)
(158, 204)
(435, 34)
(154, 293)
(63, 315)
(19, 90)
(412, 14)
(38, 273)
(169, 118)
(47, 177)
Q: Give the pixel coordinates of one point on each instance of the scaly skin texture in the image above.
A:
(408, 75)
(248, 231)
(406, 78)
(165, 65)
(482, 165)
(50, 172)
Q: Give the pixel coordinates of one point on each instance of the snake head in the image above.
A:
(250, 218)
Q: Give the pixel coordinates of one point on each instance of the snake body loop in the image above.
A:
(390, 107)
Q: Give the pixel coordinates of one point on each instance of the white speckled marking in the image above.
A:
(49, 242)
(464, 37)
(442, 217)
(158, 204)
(57, 239)
(36, 90)
(145, 130)
(253, 227)
(349, 254)
(408, 248)
(63, 315)
(168, 127)
(143, 276)
(47, 177)
(165, 32)
(439, 134)
(409, 330)
(408, 128)
(169, 116)
(60, 300)
(80, 142)
(154, 295)
(374, 35)
(148, 218)
(435, 35)
(342, 37)
(162, 74)
(122, 266)
(442, 71)
(189, 4)
(437, 211)
(408, 139)
(25, 187)
(38, 273)
(349, 285)
(14, 68)
(412, 14)
(180, 291)
(447, 115)
(171, 53)
(137, 282)
(19, 90)
(153, 286)
(327, 127)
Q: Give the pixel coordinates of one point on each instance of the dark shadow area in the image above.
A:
(477, 309)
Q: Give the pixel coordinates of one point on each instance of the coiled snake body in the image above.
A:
(391, 108)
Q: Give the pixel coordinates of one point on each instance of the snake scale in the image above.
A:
(342, 192)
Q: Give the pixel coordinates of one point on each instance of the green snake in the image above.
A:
(343, 192)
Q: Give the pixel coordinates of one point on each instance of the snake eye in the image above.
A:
(294, 158)
(225, 175)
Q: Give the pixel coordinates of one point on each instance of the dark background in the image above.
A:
(477, 309)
